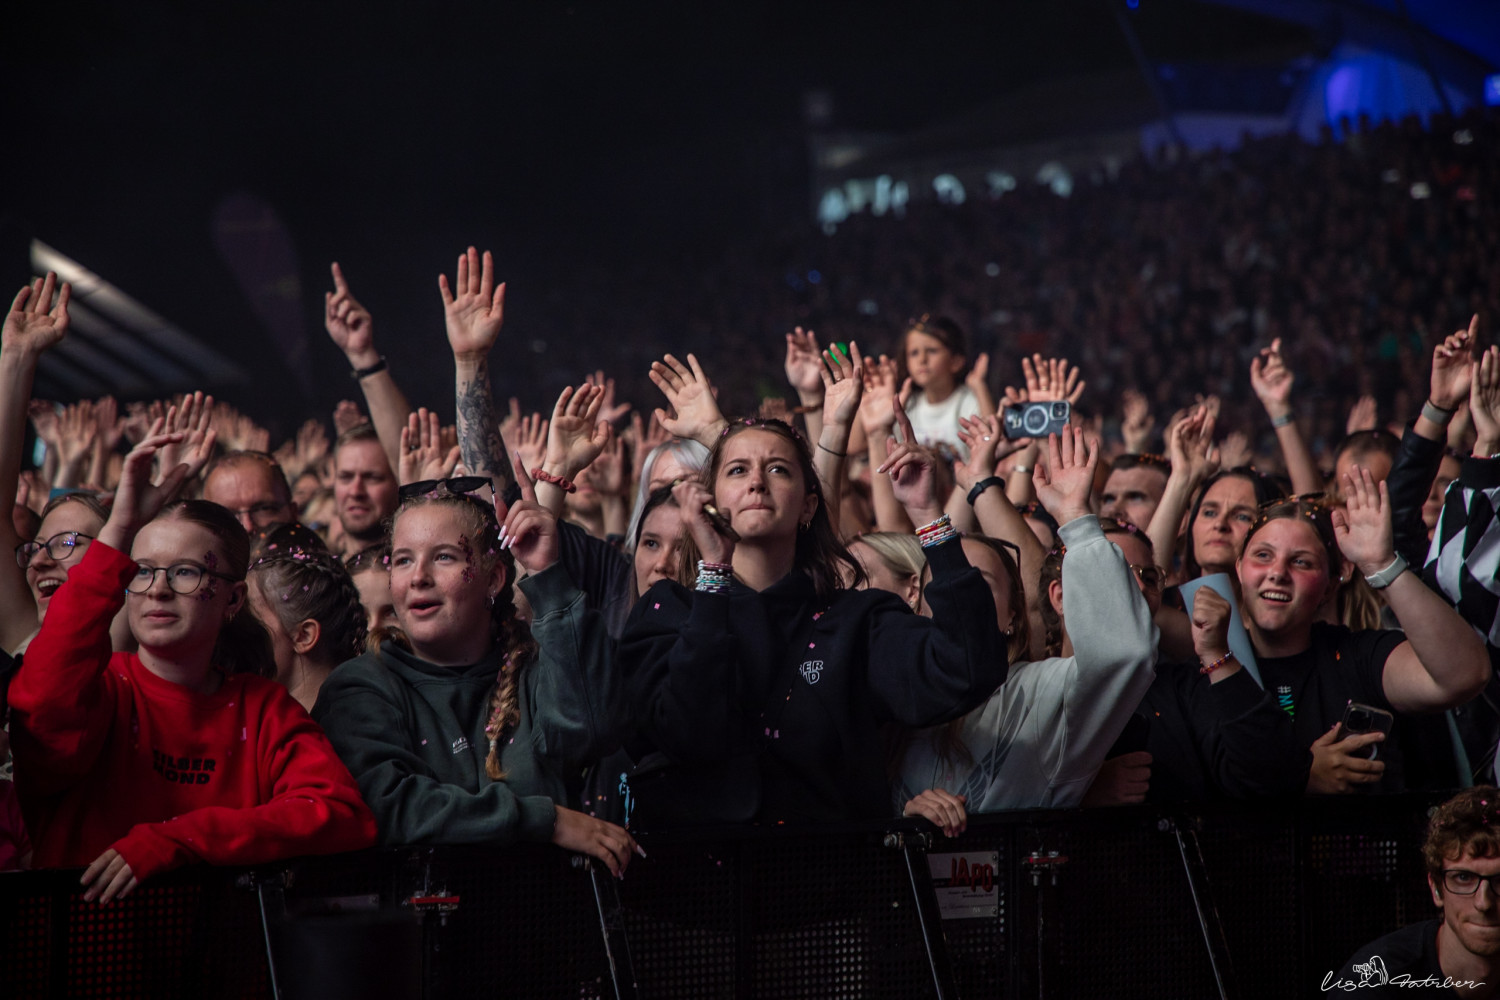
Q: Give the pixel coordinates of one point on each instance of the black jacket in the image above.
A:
(711, 673)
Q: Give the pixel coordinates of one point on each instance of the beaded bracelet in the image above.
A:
(1211, 667)
(541, 475)
(714, 578)
(937, 532)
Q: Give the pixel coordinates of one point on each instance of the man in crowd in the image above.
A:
(364, 487)
(253, 487)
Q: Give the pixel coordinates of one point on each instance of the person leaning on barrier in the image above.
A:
(1458, 952)
(464, 726)
(770, 675)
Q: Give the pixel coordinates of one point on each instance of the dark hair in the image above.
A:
(247, 457)
(243, 646)
(945, 330)
(1052, 572)
(1266, 489)
(1467, 823)
(657, 498)
(311, 583)
(507, 631)
(820, 553)
(1362, 443)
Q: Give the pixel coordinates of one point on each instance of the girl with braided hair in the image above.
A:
(464, 726)
(310, 607)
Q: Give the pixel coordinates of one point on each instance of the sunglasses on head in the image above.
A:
(458, 486)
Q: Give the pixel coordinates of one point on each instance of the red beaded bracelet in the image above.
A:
(541, 475)
(1209, 668)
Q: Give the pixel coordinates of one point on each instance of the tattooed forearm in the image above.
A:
(479, 430)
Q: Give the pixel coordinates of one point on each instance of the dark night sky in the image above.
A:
(390, 136)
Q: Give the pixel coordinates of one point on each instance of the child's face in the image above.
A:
(181, 626)
(930, 363)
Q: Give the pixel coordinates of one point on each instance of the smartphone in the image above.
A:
(1036, 420)
(1365, 719)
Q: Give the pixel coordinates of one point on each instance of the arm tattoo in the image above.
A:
(484, 451)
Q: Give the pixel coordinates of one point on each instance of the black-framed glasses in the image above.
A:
(182, 578)
(1462, 882)
(60, 547)
(458, 486)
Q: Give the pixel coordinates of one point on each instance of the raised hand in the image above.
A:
(1272, 380)
(475, 307)
(1362, 415)
(34, 323)
(531, 440)
(804, 364)
(984, 438)
(45, 421)
(1190, 445)
(1335, 768)
(530, 529)
(349, 323)
(193, 419)
(1234, 450)
(423, 453)
(1453, 367)
(691, 499)
(609, 411)
(1484, 403)
(913, 472)
(876, 410)
(978, 378)
(111, 424)
(645, 436)
(137, 499)
(577, 435)
(843, 384)
(1049, 379)
(1063, 486)
(312, 445)
(942, 809)
(1363, 525)
(76, 431)
(695, 411)
(347, 416)
(1136, 421)
(607, 472)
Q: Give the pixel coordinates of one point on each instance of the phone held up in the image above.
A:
(1036, 420)
(1365, 719)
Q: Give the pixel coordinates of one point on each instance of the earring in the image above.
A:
(492, 600)
(804, 526)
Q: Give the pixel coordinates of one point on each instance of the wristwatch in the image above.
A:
(1384, 578)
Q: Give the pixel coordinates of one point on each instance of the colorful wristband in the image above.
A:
(541, 475)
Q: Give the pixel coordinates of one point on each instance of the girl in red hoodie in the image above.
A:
(136, 763)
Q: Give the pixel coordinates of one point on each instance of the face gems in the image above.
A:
(463, 543)
(208, 592)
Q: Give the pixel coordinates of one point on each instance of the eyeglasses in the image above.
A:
(458, 486)
(60, 548)
(1150, 576)
(182, 578)
(1466, 883)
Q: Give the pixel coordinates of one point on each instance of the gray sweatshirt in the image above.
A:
(1040, 738)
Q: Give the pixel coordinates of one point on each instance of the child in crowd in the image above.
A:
(936, 355)
(133, 764)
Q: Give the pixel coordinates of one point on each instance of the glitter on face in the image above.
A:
(209, 592)
(463, 543)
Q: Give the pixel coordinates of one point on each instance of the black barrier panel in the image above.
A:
(1112, 903)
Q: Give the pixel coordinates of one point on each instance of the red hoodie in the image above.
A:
(110, 755)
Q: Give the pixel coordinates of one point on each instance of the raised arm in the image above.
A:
(474, 310)
(695, 412)
(1272, 382)
(353, 329)
(575, 438)
(804, 370)
(843, 384)
(1442, 664)
(877, 412)
(32, 325)
(1190, 447)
